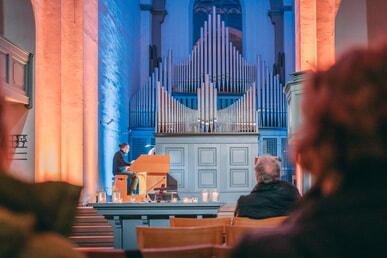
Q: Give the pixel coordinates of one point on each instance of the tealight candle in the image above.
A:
(215, 196)
(204, 196)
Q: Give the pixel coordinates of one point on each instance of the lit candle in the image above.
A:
(102, 196)
(205, 196)
(215, 196)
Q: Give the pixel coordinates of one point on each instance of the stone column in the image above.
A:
(315, 49)
(293, 91)
(315, 35)
(66, 91)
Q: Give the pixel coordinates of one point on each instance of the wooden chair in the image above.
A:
(211, 251)
(156, 237)
(235, 233)
(194, 222)
(221, 251)
(269, 222)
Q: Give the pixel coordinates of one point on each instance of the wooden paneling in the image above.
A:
(218, 161)
(15, 72)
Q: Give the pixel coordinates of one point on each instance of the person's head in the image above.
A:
(124, 147)
(267, 169)
(344, 110)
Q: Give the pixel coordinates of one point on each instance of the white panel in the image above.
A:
(18, 75)
(176, 155)
(178, 174)
(238, 156)
(3, 67)
(207, 178)
(206, 156)
(239, 178)
(207, 163)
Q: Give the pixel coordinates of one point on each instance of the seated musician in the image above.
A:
(122, 167)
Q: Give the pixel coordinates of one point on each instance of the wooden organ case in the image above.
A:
(152, 172)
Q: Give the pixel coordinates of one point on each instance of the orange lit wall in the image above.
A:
(90, 98)
(66, 71)
(315, 47)
(315, 37)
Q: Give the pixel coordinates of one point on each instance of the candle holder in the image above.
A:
(214, 195)
(204, 195)
(101, 195)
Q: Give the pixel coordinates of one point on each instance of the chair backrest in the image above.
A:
(155, 237)
(235, 233)
(221, 251)
(269, 222)
(195, 251)
(194, 222)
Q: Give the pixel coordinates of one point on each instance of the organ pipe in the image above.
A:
(214, 66)
(238, 117)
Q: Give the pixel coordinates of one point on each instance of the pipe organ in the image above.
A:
(189, 97)
(215, 56)
(174, 117)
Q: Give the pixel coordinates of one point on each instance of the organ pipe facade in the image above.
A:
(214, 90)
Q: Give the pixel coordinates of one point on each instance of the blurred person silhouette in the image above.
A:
(343, 143)
(271, 197)
(35, 218)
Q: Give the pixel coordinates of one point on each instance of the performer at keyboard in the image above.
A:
(122, 167)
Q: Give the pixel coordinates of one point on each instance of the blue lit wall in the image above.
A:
(118, 70)
(289, 39)
(258, 34)
(258, 31)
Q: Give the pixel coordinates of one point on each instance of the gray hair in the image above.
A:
(267, 169)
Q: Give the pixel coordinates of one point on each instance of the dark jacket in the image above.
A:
(267, 200)
(119, 162)
(349, 223)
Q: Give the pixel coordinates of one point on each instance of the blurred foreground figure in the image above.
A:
(35, 218)
(343, 143)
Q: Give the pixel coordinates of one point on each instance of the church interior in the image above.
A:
(205, 82)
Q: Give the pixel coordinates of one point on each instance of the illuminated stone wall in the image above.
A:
(66, 92)
(118, 72)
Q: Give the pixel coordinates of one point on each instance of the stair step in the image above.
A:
(88, 220)
(94, 245)
(93, 242)
(92, 239)
(84, 211)
(96, 249)
(92, 230)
